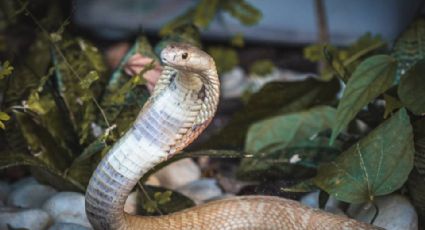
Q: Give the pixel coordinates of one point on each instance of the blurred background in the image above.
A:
(307, 86)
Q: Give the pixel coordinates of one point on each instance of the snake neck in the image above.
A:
(168, 122)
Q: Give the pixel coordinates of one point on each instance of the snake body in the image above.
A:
(180, 108)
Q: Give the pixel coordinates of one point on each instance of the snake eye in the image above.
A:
(184, 55)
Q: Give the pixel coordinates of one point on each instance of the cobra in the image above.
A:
(182, 105)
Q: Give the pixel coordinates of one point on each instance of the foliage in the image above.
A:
(3, 117)
(288, 143)
(160, 201)
(205, 11)
(410, 92)
(262, 67)
(187, 27)
(226, 58)
(358, 166)
(377, 165)
(288, 129)
(65, 113)
(342, 61)
(276, 98)
(370, 79)
(410, 47)
(6, 70)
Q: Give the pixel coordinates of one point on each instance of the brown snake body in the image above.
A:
(181, 106)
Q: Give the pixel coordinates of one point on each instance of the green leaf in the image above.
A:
(273, 99)
(10, 159)
(391, 104)
(410, 46)
(42, 144)
(225, 58)
(262, 67)
(342, 61)
(83, 166)
(412, 88)
(6, 70)
(243, 11)
(163, 197)
(174, 201)
(205, 12)
(377, 165)
(237, 40)
(288, 129)
(4, 116)
(370, 79)
(150, 206)
(86, 82)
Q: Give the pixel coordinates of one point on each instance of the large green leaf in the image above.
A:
(377, 165)
(273, 99)
(288, 129)
(412, 88)
(289, 143)
(370, 79)
(410, 47)
(10, 159)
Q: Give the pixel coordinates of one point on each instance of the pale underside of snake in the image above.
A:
(181, 106)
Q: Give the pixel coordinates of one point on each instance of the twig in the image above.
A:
(322, 24)
(376, 213)
(148, 197)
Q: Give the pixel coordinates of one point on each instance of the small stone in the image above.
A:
(34, 219)
(30, 196)
(23, 182)
(153, 181)
(67, 207)
(68, 226)
(233, 83)
(178, 174)
(201, 190)
(130, 205)
(395, 212)
(4, 191)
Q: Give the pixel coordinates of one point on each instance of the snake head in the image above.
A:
(186, 57)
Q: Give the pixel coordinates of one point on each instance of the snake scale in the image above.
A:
(180, 108)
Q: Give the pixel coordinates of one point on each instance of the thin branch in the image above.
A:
(148, 197)
(322, 24)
